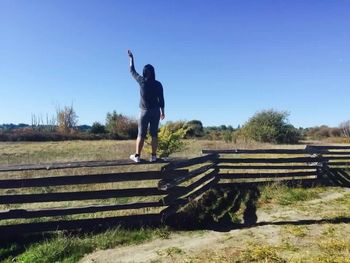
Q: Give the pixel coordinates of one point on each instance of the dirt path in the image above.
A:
(182, 245)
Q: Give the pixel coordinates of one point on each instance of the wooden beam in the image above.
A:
(169, 182)
(190, 162)
(87, 179)
(22, 213)
(201, 181)
(329, 147)
(183, 201)
(328, 158)
(86, 224)
(339, 164)
(293, 182)
(84, 195)
(257, 151)
(265, 175)
(266, 167)
(206, 183)
(80, 164)
(272, 160)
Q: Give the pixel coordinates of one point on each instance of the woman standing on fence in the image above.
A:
(152, 108)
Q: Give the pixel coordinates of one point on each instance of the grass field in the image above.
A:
(67, 151)
(287, 242)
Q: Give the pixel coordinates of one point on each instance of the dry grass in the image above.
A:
(67, 151)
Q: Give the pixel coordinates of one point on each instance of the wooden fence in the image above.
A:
(172, 186)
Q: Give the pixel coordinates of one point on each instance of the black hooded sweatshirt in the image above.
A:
(151, 90)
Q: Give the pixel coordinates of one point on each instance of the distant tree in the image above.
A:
(111, 122)
(335, 132)
(84, 128)
(194, 128)
(321, 132)
(270, 126)
(345, 128)
(120, 126)
(97, 128)
(67, 119)
(38, 123)
(230, 128)
(223, 127)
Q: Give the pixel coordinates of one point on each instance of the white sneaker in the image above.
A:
(153, 158)
(134, 158)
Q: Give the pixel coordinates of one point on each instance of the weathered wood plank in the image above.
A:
(22, 213)
(201, 181)
(264, 175)
(206, 184)
(184, 190)
(85, 224)
(83, 195)
(169, 181)
(190, 162)
(329, 158)
(178, 202)
(81, 164)
(308, 150)
(257, 151)
(266, 167)
(327, 153)
(272, 160)
(339, 163)
(293, 182)
(87, 179)
(329, 147)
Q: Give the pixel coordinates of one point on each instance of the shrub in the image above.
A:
(97, 128)
(222, 132)
(321, 132)
(120, 126)
(194, 129)
(169, 141)
(28, 134)
(228, 136)
(270, 126)
(175, 125)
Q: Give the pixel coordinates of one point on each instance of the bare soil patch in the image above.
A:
(283, 234)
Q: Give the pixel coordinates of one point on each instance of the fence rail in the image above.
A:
(174, 185)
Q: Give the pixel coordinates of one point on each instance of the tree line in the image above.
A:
(267, 126)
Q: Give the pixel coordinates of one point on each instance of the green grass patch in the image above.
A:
(70, 248)
(284, 195)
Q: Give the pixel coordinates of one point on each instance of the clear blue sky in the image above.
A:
(219, 61)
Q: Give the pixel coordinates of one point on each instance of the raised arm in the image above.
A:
(133, 72)
(131, 58)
